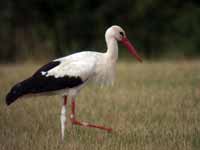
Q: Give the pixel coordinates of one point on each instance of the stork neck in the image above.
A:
(112, 49)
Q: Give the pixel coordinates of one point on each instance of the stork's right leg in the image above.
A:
(63, 117)
(85, 124)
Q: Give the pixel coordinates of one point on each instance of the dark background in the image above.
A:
(46, 29)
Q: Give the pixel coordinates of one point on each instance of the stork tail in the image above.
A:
(17, 91)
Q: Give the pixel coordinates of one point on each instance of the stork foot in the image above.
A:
(85, 124)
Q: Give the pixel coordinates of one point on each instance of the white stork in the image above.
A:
(67, 75)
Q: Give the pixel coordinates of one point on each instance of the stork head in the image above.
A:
(119, 34)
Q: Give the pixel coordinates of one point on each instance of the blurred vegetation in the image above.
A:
(39, 29)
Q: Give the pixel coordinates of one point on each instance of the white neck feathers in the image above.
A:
(112, 48)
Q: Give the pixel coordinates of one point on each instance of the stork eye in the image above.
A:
(121, 33)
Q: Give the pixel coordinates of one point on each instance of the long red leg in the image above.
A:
(65, 100)
(85, 124)
(63, 117)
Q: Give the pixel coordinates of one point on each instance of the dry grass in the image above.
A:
(153, 106)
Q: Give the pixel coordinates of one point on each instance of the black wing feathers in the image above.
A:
(42, 83)
(38, 83)
(47, 67)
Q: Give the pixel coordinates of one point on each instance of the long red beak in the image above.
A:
(130, 48)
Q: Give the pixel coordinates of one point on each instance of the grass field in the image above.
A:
(152, 106)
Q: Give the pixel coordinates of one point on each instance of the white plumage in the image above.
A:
(67, 75)
(87, 65)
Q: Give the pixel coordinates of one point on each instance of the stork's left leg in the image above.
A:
(85, 124)
(63, 117)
